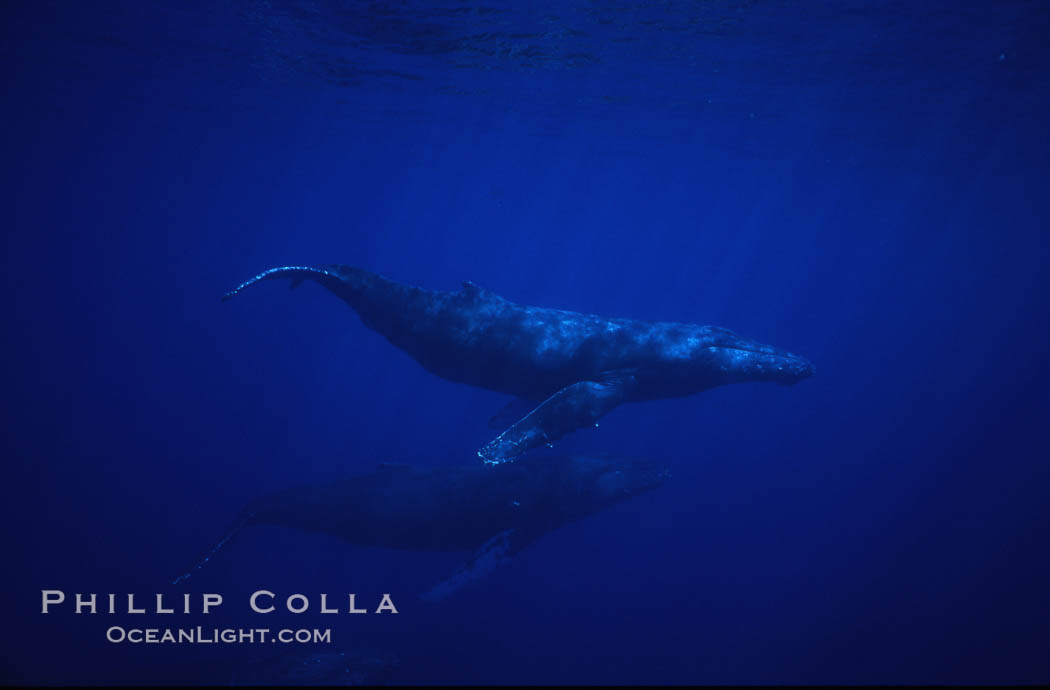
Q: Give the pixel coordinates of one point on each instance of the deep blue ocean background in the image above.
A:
(863, 183)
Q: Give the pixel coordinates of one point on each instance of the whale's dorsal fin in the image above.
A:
(474, 291)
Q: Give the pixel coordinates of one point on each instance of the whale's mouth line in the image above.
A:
(759, 350)
(800, 366)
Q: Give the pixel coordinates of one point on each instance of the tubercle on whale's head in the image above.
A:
(734, 359)
(797, 369)
(784, 368)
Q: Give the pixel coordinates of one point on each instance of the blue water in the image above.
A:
(863, 183)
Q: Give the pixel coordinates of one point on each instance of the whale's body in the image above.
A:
(575, 366)
(494, 512)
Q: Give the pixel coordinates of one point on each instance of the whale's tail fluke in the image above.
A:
(383, 305)
(297, 274)
(230, 533)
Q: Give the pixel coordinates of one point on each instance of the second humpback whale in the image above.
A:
(493, 512)
(569, 368)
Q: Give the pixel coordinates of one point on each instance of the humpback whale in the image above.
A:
(494, 512)
(566, 368)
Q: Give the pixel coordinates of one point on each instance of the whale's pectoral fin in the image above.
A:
(510, 413)
(495, 552)
(575, 406)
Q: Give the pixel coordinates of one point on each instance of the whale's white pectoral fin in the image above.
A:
(510, 413)
(492, 554)
(571, 408)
